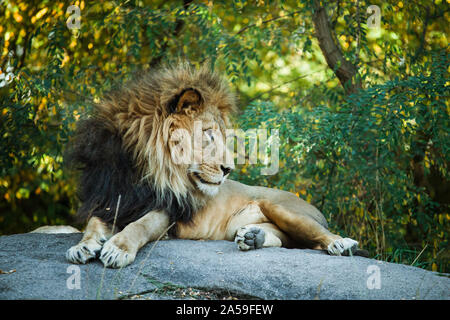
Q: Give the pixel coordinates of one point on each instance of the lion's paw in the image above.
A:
(249, 238)
(114, 257)
(84, 251)
(344, 247)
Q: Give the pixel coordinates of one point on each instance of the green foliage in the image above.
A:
(360, 160)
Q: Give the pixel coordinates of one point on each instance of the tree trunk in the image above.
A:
(345, 71)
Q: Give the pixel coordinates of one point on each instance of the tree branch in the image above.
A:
(267, 21)
(283, 84)
(344, 70)
(422, 36)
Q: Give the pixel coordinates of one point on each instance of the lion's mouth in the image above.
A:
(197, 175)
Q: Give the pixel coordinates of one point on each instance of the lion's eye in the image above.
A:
(209, 133)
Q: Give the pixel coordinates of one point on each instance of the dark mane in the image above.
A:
(107, 171)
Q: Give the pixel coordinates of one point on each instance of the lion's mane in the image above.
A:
(121, 149)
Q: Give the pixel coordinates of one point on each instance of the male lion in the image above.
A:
(132, 190)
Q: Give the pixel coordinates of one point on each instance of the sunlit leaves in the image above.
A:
(363, 160)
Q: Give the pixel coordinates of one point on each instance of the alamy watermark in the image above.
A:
(374, 21)
(73, 282)
(209, 146)
(374, 279)
(74, 21)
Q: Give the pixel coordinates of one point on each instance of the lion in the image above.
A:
(132, 191)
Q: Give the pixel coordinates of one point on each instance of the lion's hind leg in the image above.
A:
(96, 234)
(306, 230)
(256, 236)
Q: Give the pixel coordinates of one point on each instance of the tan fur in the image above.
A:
(225, 209)
(238, 205)
(96, 230)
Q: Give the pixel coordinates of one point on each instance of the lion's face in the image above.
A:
(197, 142)
(209, 172)
(172, 122)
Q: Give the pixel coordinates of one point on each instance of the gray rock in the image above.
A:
(34, 267)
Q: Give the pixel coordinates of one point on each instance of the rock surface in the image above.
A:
(33, 266)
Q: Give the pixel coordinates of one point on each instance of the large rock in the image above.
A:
(33, 266)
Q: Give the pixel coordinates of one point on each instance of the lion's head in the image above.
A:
(152, 133)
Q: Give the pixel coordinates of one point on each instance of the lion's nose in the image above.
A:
(226, 170)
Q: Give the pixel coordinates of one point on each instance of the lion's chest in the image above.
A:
(220, 219)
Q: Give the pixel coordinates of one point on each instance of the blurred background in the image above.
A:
(358, 90)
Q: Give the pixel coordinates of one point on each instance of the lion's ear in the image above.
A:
(187, 97)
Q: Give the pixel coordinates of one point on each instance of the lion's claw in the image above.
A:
(344, 247)
(84, 251)
(114, 257)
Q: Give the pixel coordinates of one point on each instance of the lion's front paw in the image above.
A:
(249, 238)
(84, 251)
(114, 257)
(344, 247)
